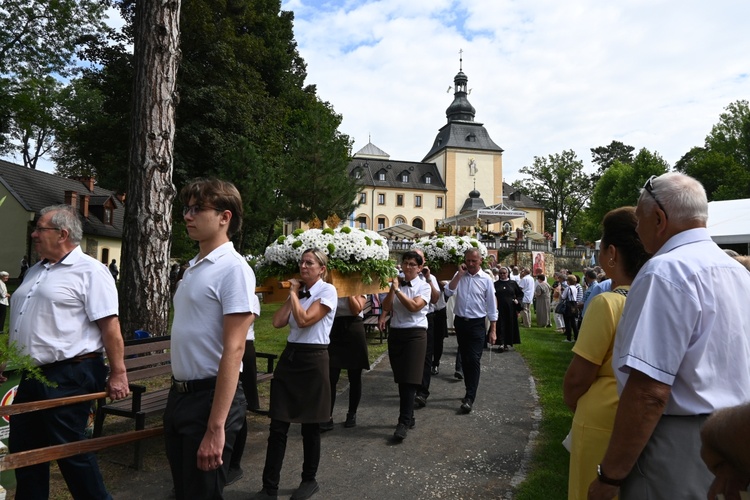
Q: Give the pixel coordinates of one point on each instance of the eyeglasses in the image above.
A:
(39, 229)
(195, 209)
(649, 187)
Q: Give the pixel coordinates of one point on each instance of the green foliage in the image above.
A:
(723, 164)
(38, 40)
(560, 185)
(12, 356)
(605, 156)
(619, 186)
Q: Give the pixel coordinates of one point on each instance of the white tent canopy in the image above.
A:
(400, 231)
(489, 215)
(729, 221)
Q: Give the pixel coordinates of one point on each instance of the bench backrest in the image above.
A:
(145, 358)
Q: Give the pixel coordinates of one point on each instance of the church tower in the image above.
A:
(465, 154)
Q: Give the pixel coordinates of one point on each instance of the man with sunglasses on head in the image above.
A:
(682, 349)
(213, 311)
(64, 315)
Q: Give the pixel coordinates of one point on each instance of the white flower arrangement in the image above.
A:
(348, 249)
(448, 249)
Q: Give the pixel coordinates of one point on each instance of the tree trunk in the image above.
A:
(144, 294)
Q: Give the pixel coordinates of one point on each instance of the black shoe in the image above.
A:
(459, 375)
(326, 426)
(306, 490)
(265, 494)
(351, 420)
(400, 433)
(420, 401)
(234, 474)
(466, 405)
(434, 370)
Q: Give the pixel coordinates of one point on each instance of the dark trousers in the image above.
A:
(355, 387)
(185, 420)
(65, 424)
(470, 335)
(441, 331)
(249, 380)
(571, 325)
(277, 448)
(424, 388)
(406, 393)
(3, 312)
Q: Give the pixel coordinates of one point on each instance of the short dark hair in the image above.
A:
(618, 229)
(221, 194)
(412, 255)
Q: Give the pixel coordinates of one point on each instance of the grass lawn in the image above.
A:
(548, 358)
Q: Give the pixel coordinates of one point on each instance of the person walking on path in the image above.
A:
(423, 391)
(348, 351)
(681, 350)
(301, 388)
(213, 311)
(509, 296)
(63, 315)
(407, 338)
(527, 285)
(542, 293)
(475, 303)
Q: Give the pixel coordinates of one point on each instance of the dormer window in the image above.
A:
(471, 138)
(428, 179)
(357, 173)
(108, 215)
(404, 176)
(381, 175)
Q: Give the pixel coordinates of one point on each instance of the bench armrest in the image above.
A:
(269, 357)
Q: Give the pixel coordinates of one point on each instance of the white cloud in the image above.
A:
(546, 76)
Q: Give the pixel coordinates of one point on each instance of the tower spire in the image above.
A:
(460, 59)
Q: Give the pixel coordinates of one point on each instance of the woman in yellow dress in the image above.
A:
(589, 387)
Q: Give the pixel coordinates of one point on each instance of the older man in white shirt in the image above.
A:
(682, 349)
(475, 301)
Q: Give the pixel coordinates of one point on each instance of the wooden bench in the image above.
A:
(371, 316)
(147, 358)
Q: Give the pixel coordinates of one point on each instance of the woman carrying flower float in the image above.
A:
(300, 388)
(407, 338)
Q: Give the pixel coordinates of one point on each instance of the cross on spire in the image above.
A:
(460, 59)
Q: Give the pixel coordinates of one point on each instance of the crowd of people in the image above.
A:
(659, 383)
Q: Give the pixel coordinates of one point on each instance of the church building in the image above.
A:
(463, 167)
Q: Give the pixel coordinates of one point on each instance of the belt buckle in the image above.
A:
(180, 386)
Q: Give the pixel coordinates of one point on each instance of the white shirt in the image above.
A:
(527, 285)
(343, 310)
(475, 297)
(685, 324)
(54, 311)
(254, 306)
(3, 295)
(320, 331)
(221, 283)
(401, 317)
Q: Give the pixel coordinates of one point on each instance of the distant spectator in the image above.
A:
(4, 295)
(24, 268)
(113, 269)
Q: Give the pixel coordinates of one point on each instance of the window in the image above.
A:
(381, 223)
(363, 198)
(399, 200)
(404, 177)
(417, 200)
(357, 173)
(438, 202)
(381, 198)
(418, 223)
(107, 216)
(428, 179)
(381, 175)
(362, 222)
(399, 220)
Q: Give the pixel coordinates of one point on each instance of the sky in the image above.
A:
(545, 76)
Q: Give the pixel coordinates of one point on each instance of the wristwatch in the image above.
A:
(607, 480)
